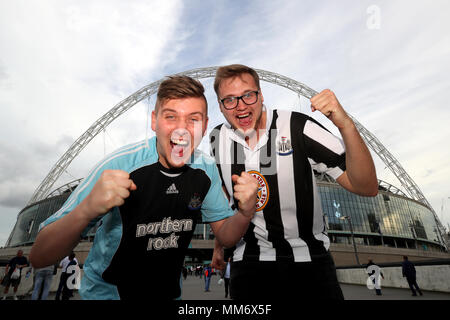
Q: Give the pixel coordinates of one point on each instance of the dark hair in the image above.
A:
(179, 87)
(405, 258)
(231, 71)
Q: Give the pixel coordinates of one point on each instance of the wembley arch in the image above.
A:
(42, 191)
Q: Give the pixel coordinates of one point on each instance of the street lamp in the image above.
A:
(436, 231)
(413, 231)
(442, 209)
(353, 237)
(378, 228)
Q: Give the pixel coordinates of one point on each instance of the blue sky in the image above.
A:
(63, 64)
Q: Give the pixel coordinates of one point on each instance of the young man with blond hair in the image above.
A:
(285, 251)
(145, 200)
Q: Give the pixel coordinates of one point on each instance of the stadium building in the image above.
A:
(382, 228)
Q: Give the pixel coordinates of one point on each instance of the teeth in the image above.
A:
(179, 142)
(243, 115)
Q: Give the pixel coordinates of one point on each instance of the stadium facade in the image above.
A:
(388, 221)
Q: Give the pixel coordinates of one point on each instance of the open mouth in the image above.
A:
(179, 147)
(179, 142)
(244, 119)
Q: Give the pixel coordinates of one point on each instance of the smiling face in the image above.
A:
(245, 118)
(180, 125)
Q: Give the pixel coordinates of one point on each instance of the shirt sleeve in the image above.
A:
(325, 151)
(215, 206)
(78, 195)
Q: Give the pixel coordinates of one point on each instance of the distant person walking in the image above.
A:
(226, 277)
(208, 275)
(409, 271)
(42, 281)
(13, 273)
(63, 278)
(199, 271)
(67, 292)
(185, 272)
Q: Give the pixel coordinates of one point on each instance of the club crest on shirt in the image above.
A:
(195, 202)
(263, 190)
(284, 147)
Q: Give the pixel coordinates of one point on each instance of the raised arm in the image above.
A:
(229, 231)
(360, 175)
(59, 238)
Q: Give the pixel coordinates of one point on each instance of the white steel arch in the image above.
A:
(389, 160)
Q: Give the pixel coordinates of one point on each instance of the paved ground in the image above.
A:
(193, 289)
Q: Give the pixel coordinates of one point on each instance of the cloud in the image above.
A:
(4, 77)
(65, 64)
(391, 79)
(24, 166)
(82, 60)
(81, 56)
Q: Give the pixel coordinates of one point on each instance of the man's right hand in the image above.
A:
(218, 258)
(110, 190)
(245, 192)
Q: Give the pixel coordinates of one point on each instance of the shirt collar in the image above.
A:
(231, 133)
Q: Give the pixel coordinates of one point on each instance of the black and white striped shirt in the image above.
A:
(289, 222)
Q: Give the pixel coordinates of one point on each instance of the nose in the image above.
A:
(180, 132)
(181, 123)
(241, 105)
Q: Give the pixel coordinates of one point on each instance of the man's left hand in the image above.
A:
(327, 103)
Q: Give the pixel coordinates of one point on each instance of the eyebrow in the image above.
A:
(245, 92)
(175, 111)
(196, 112)
(168, 110)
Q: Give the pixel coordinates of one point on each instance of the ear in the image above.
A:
(206, 126)
(220, 105)
(153, 120)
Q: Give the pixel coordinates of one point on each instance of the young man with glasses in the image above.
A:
(145, 200)
(285, 248)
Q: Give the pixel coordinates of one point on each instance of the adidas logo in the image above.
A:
(172, 189)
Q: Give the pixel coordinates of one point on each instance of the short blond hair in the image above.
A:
(179, 87)
(231, 71)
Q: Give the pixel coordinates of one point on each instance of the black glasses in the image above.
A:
(232, 102)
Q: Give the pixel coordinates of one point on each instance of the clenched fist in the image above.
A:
(327, 103)
(110, 190)
(245, 190)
